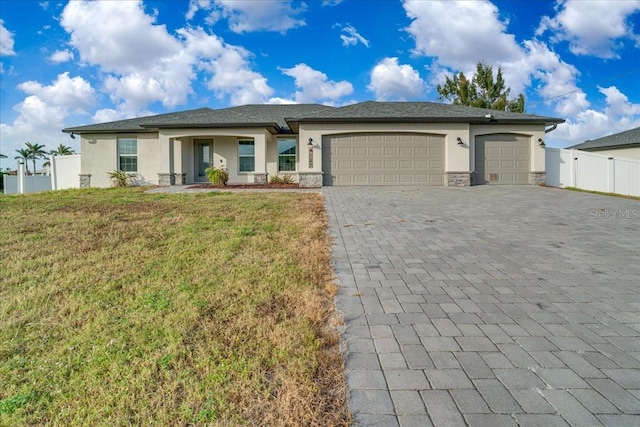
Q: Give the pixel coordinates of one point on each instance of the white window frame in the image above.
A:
(122, 156)
(240, 156)
(294, 155)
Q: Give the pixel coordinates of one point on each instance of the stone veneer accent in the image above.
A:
(166, 179)
(537, 178)
(310, 179)
(259, 178)
(85, 180)
(458, 179)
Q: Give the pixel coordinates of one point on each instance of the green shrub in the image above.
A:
(218, 176)
(121, 178)
(284, 179)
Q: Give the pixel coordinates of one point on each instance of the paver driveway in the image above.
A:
(491, 305)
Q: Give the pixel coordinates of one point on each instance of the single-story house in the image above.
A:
(624, 144)
(368, 143)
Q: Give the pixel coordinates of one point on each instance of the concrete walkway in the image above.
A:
(490, 305)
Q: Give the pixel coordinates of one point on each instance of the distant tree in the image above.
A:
(37, 152)
(25, 155)
(63, 150)
(482, 91)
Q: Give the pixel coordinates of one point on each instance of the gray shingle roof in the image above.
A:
(270, 116)
(282, 118)
(628, 137)
(420, 112)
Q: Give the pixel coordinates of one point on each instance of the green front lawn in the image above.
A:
(124, 308)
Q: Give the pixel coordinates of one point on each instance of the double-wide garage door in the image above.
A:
(383, 159)
(502, 159)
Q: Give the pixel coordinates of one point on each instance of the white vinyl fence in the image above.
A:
(591, 171)
(64, 174)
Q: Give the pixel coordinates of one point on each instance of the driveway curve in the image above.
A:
(489, 305)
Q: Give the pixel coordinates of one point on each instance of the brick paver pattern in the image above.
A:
(490, 305)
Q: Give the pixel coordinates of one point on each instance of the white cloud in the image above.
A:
(43, 112)
(595, 28)
(245, 16)
(6, 41)
(460, 33)
(331, 2)
(392, 81)
(314, 85)
(228, 67)
(97, 32)
(195, 6)
(351, 37)
(142, 63)
(60, 56)
(618, 115)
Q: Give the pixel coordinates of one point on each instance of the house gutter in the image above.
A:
(552, 128)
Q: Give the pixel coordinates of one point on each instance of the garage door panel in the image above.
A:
(383, 159)
(502, 159)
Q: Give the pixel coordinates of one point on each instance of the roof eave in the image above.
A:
(471, 120)
(80, 131)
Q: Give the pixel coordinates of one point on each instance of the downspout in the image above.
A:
(552, 128)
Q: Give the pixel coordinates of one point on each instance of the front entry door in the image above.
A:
(204, 150)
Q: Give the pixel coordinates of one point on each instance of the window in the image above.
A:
(286, 155)
(128, 154)
(246, 156)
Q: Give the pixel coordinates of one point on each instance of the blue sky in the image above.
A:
(80, 62)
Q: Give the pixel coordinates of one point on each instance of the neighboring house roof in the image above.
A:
(285, 118)
(627, 138)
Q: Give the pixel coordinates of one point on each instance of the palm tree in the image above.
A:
(37, 152)
(63, 150)
(25, 155)
(2, 156)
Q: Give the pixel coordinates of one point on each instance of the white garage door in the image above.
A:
(502, 159)
(383, 159)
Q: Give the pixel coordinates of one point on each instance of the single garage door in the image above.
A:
(383, 159)
(502, 159)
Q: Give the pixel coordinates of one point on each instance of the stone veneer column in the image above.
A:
(85, 180)
(180, 178)
(166, 179)
(259, 178)
(458, 179)
(537, 178)
(310, 179)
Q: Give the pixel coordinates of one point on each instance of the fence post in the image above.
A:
(21, 177)
(573, 171)
(53, 167)
(611, 175)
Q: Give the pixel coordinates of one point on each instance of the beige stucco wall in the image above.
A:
(624, 152)
(174, 150)
(100, 156)
(456, 156)
(534, 132)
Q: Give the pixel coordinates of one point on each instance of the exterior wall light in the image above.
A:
(460, 141)
(541, 141)
(310, 143)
